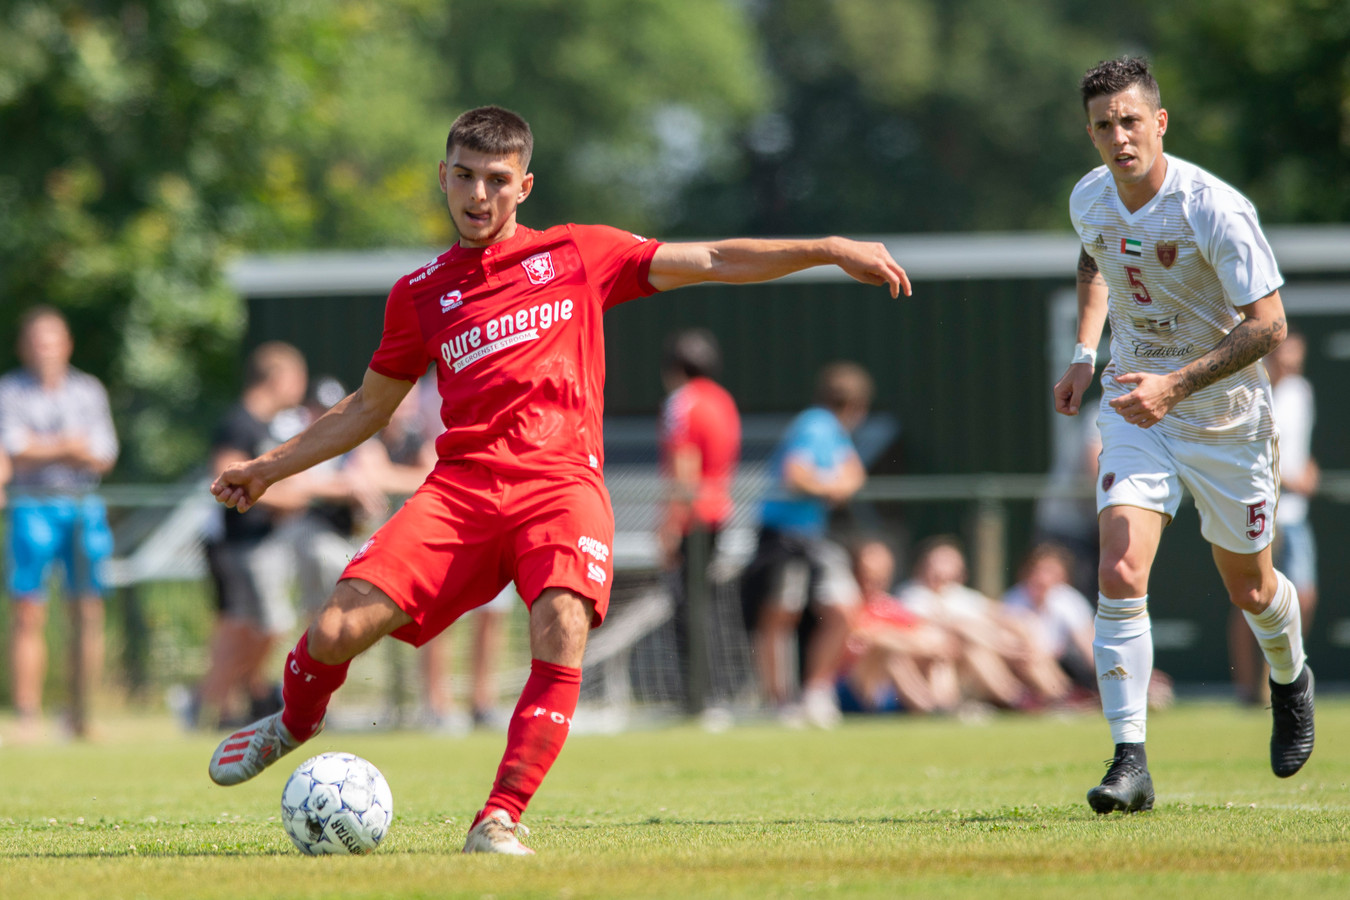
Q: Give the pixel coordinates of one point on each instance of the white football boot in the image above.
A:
(251, 749)
(496, 833)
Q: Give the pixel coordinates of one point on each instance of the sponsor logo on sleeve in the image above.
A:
(1107, 480)
(591, 547)
(430, 267)
(452, 300)
(539, 268)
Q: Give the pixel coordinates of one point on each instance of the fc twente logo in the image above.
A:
(1167, 253)
(539, 268)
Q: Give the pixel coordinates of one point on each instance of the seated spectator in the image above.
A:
(1058, 615)
(1002, 662)
(893, 659)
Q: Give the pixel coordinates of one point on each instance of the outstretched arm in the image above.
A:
(352, 420)
(1261, 330)
(748, 260)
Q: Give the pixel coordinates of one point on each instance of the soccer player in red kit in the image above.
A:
(512, 319)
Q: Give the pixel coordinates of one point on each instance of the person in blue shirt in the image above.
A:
(815, 468)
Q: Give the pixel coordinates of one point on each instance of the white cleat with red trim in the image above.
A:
(496, 833)
(251, 749)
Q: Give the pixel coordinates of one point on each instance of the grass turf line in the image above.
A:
(883, 807)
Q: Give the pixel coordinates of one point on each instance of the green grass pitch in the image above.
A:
(879, 808)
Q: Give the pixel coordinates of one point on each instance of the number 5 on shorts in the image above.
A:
(1256, 519)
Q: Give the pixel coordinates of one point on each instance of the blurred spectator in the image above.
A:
(815, 467)
(1003, 662)
(1059, 616)
(250, 562)
(6, 473)
(1294, 551)
(700, 447)
(344, 496)
(1071, 522)
(57, 429)
(894, 660)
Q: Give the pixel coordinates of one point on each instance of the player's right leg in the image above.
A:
(356, 616)
(1123, 652)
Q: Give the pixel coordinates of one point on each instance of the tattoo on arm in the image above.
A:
(1249, 341)
(1088, 272)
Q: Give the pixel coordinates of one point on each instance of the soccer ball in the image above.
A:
(336, 803)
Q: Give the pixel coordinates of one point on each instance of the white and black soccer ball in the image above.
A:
(336, 803)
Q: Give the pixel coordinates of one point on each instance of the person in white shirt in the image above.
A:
(1294, 548)
(1176, 260)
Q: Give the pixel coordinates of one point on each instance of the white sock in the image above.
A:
(1123, 649)
(1279, 631)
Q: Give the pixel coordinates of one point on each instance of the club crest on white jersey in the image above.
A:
(539, 268)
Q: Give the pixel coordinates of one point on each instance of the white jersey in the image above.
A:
(1176, 269)
(1294, 415)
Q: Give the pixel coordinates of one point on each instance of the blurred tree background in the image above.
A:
(142, 144)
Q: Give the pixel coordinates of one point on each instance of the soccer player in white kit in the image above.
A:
(1176, 260)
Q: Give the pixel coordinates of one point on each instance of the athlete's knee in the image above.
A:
(560, 622)
(1251, 596)
(1118, 575)
(341, 630)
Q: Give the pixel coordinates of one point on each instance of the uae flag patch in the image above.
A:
(1131, 247)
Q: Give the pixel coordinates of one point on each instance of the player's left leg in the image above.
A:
(560, 621)
(1236, 488)
(1270, 605)
(560, 535)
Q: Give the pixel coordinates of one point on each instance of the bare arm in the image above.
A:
(66, 449)
(352, 419)
(1260, 331)
(834, 486)
(1092, 297)
(748, 260)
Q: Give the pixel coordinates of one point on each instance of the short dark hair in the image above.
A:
(1111, 76)
(844, 385)
(492, 130)
(692, 352)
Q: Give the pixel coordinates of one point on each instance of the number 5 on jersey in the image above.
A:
(1136, 276)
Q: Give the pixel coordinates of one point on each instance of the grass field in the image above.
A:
(879, 808)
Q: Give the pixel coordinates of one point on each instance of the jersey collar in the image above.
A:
(522, 236)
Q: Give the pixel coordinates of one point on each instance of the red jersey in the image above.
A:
(516, 334)
(701, 414)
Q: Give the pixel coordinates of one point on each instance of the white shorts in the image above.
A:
(1235, 486)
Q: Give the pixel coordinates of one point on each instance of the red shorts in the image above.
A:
(468, 532)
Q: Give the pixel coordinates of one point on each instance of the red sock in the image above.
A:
(535, 736)
(306, 688)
